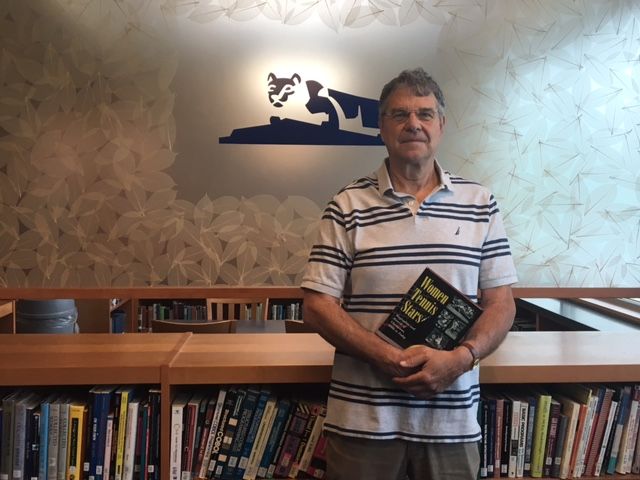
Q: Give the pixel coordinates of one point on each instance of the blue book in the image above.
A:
(43, 449)
(276, 434)
(625, 405)
(251, 434)
(100, 405)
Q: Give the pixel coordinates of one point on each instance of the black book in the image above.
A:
(432, 313)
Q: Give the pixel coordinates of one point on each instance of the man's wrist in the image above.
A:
(475, 356)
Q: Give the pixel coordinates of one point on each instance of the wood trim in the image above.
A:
(272, 292)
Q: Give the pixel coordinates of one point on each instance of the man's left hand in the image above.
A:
(434, 370)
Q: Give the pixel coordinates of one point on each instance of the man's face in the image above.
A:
(413, 138)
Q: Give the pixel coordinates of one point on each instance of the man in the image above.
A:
(394, 413)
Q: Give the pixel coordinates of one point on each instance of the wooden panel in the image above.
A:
(247, 358)
(557, 357)
(85, 359)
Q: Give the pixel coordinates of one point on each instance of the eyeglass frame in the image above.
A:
(401, 115)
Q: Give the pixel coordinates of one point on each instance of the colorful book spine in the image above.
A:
(540, 434)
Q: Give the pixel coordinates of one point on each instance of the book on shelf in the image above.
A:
(606, 438)
(77, 420)
(25, 403)
(543, 409)
(178, 405)
(314, 438)
(601, 417)
(232, 411)
(552, 436)
(266, 423)
(210, 406)
(561, 437)
(100, 400)
(623, 415)
(291, 439)
(63, 437)
(108, 441)
(245, 415)
(124, 395)
(32, 428)
(190, 425)
(315, 410)
(131, 435)
(571, 409)
(629, 434)
(284, 407)
(213, 435)
(432, 312)
(506, 438)
(483, 421)
(229, 401)
(153, 463)
(252, 432)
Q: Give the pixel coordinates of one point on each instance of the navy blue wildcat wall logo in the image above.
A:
(313, 115)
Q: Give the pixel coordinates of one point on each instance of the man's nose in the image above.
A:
(413, 123)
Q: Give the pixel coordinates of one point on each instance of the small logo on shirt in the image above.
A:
(457, 231)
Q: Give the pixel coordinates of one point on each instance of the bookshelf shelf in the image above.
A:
(180, 360)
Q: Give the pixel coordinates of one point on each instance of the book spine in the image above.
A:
(563, 421)
(176, 441)
(224, 437)
(522, 438)
(526, 470)
(244, 422)
(261, 439)
(108, 440)
(252, 434)
(586, 435)
(625, 403)
(19, 440)
(76, 434)
(292, 440)
(213, 430)
(279, 427)
(44, 440)
(606, 437)
(514, 440)
(52, 460)
(130, 440)
(540, 435)
(63, 440)
(305, 461)
(552, 433)
(122, 430)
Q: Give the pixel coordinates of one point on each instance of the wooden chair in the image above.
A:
(296, 326)
(179, 326)
(237, 308)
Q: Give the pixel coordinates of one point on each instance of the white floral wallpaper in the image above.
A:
(543, 107)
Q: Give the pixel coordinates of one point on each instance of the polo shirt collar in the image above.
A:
(384, 179)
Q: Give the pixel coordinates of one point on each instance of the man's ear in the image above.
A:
(443, 121)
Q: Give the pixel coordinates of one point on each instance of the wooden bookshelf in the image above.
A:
(181, 360)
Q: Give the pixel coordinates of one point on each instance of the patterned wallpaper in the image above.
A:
(543, 107)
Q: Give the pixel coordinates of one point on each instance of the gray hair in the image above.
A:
(419, 82)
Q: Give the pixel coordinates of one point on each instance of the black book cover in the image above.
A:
(432, 312)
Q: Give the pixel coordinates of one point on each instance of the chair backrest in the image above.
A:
(237, 308)
(179, 326)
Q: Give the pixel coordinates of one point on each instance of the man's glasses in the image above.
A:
(423, 115)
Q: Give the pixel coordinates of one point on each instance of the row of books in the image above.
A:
(562, 431)
(175, 311)
(286, 311)
(246, 433)
(108, 432)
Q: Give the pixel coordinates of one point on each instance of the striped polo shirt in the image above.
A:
(373, 242)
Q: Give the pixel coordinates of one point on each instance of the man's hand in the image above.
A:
(434, 370)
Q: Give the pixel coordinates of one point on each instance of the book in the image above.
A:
(77, 417)
(108, 441)
(629, 433)
(314, 437)
(540, 433)
(229, 401)
(571, 409)
(532, 401)
(623, 415)
(605, 396)
(131, 435)
(204, 435)
(123, 395)
(44, 436)
(432, 312)
(63, 437)
(32, 428)
(100, 399)
(252, 433)
(283, 409)
(227, 427)
(606, 438)
(24, 403)
(190, 423)
(213, 432)
(153, 464)
(175, 456)
(262, 436)
(314, 411)
(249, 406)
(561, 436)
(292, 439)
(552, 433)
